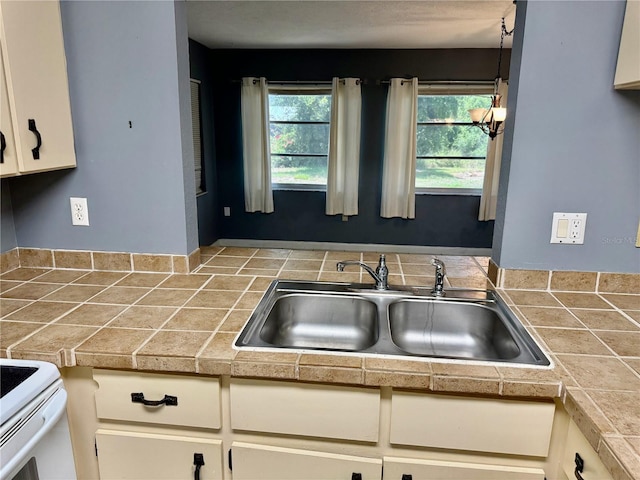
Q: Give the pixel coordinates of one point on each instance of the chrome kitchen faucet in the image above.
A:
(381, 275)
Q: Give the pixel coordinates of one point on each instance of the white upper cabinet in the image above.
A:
(35, 111)
(628, 67)
(8, 159)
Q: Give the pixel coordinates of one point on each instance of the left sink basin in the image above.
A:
(321, 322)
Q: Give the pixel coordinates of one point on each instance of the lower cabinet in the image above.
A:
(252, 461)
(417, 469)
(158, 426)
(151, 456)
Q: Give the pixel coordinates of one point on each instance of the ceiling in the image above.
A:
(349, 23)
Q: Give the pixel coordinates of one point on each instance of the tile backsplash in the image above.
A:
(595, 282)
(88, 260)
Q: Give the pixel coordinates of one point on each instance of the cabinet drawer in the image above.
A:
(198, 398)
(476, 424)
(593, 468)
(305, 409)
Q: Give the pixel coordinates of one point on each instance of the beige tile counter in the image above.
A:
(588, 323)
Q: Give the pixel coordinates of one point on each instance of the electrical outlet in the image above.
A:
(568, 228)
(227, 211)
(79, 211)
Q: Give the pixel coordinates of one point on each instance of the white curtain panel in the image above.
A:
(344, 147)
(258, 196)
(489, 198)
(399, 168)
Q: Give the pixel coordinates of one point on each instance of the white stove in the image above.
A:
(34, 430)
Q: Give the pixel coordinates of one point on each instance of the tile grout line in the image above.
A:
(404, 280)
(280, 269)
(324, 260)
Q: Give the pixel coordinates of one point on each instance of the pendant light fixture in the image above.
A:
(491, 120)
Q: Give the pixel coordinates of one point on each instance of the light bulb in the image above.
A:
(499, 114)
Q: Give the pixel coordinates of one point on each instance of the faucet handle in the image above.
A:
(382, 269)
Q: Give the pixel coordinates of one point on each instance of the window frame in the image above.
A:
(196, 135)
(452, 88)
(316, 88)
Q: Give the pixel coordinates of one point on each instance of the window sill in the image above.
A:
(471, 192)
(299, 187)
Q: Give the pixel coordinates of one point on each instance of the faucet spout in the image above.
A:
(438, 288)
(380, 275)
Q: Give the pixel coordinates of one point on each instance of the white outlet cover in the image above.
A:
(568, 228)
(79, 211)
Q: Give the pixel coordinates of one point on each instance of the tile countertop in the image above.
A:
(187, 323)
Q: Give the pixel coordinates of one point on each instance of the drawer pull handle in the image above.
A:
(406, 476)
(356, 476)
(168, 400)
(3, 147)
(198, 461)
(35, 151)
(579, 467)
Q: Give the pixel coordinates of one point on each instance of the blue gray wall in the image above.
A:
(441, 220)
(127, 62)
(585, 157)
(8, 239)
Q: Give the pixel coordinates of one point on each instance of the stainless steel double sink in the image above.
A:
(320, 316)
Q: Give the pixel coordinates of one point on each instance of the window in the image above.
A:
(450, 152)
(299, 133)
(197, 136)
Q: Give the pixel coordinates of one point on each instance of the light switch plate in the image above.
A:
(568, 228)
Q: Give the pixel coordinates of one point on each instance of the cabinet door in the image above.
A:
(298, 408)
(144, 456)
(477, 424)
(628, 66)
(9, 164)
(414, 469)
(577, 444)
(251, 461)
(37, 86)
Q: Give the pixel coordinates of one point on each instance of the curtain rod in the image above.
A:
(442, 82)
(303, 82)
(377, 82)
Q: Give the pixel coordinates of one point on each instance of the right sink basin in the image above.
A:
(450, 329)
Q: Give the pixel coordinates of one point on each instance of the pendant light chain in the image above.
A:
(503, 33)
